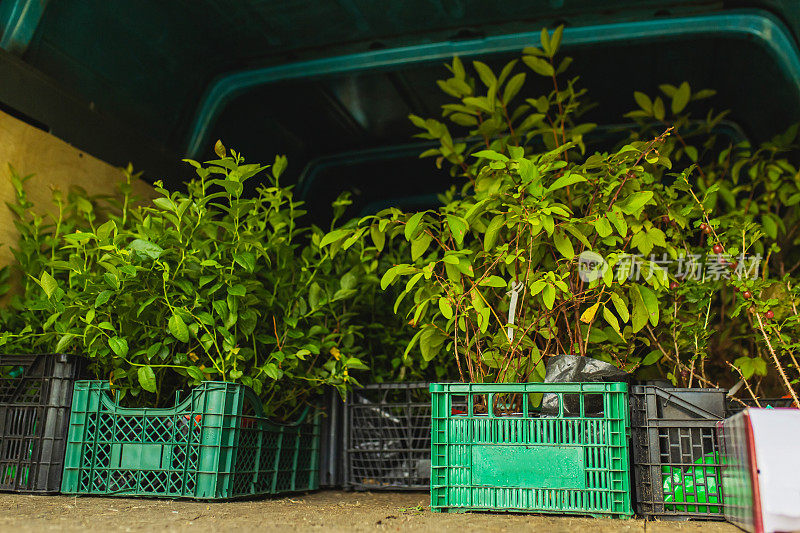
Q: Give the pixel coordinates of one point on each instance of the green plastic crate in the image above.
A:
(573, 461)
(215, 444)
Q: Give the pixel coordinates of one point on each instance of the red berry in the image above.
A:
(703, 226)
(717, 248)
(673, 285)
(747, 295)
(769, 314)
(733, 265)
(707, 230)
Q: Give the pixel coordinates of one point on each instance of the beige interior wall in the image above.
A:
(54, 163)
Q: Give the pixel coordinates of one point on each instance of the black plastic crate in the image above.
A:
(35, 400)
(331, 465)
(388, 437)
(737, 405)
(676, 459)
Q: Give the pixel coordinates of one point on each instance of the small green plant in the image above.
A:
(207, 284)
(549, 247)
(519, 225)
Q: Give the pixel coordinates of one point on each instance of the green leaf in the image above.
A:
(513, 86)
(164, 203)
(635, 202)
(354, 363)
(483, 319)
(491, 155)
(451, 258)
(112, 280)
(102, 298)
(48, 283)
(658, 108)
(147, 378)
(644, 102)
(645, 307)
(494, 281)
(566, 180)
(652, 358)
(272, 371)
(485, 73)
(539, 65)
(603, 227)
(618, 220)
(768, 225)
(612, 320)
(575, 232)
(378, 237)
(196, 373)
(650, 303)
(315, 295)
(430, 342)
(445, 308)
(549, 295)
(411, 226)
(619, 305)
(555, 40)
(105, 230)
(458, 226)
(490, 237)
(246, 260)
(588, 315)
(420, 245)
(178, 328)
(118, 345)
(63, 342)
(146, 248)
(483, 103)
(640, 316)
(390, 275)
(668, 89)
(681, 98)
(280, 164)
(334, 236)
(745, 365)
(237, 290)
(564, 245)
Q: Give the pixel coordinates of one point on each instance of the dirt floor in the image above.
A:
(321, 511)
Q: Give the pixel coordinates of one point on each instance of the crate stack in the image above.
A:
(676, 456)
(214, 445)
(599, 449)
(571, 437)
(388, 437)
(60, 434)
(35, 398)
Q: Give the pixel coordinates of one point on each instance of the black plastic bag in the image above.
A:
(572, 369)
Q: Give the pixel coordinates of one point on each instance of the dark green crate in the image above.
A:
(574, 461)
(215, 444)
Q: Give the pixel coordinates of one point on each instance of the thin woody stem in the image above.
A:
(746, 384)
(778, 363)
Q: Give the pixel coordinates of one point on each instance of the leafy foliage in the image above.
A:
(535, 199)
(206, 284)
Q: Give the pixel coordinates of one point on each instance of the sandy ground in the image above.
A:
(321, 511)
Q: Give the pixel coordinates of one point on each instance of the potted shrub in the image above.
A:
(212, 289)
(549, 247)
